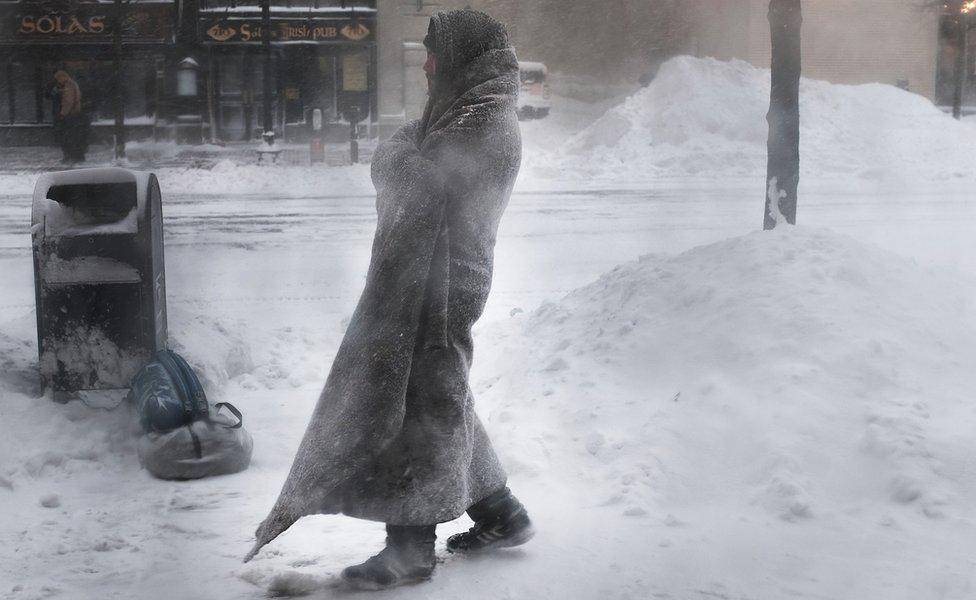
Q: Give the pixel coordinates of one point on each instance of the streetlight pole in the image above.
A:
(961, 9)
(118, 83)
(269, 136)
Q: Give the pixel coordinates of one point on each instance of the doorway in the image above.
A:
(238, 90)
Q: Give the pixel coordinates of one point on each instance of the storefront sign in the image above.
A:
(70, 22)
(286, 30)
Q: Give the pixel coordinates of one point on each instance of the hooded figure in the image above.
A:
(394, 437)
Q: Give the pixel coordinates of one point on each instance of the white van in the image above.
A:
(533, 102)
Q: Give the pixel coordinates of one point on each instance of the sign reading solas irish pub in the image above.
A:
(74, 23)
(244, 30)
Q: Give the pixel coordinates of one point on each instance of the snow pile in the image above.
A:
(87, 354)
(706, 118)
(217, 349)
(795, 374)
(42, 437)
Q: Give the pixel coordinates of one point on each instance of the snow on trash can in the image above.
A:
(99, 279)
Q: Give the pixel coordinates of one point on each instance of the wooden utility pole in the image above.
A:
(783, 143)
(118, 82)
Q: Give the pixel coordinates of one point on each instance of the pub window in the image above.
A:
(355, 72)
(100, 97)
(139, 80)
(255, 75)
(24, 81)
(323, 84)
(96, 79)
(230, 80)
(48, 69)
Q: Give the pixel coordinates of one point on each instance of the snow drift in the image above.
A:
(796, 370)
(42, 434)
(783, 394)
(707, 118)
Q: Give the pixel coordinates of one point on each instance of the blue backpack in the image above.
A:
(167, 394)
(184, 437)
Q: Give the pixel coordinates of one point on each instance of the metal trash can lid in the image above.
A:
(61, 198)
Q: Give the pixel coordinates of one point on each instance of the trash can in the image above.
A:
(99, 278)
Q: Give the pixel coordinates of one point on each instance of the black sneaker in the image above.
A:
(500, 521)
(390, 568)
(407, 558)
(514, 530)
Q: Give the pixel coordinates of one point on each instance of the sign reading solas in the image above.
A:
(31, 23)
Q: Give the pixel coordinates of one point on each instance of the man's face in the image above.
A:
(430, 69)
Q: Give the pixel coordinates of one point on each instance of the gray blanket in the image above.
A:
(394, 436)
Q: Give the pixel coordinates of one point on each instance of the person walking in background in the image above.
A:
(71, 126)
(394, 437)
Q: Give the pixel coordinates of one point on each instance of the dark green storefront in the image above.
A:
(38, 38)
(323, 58)
(188, 64)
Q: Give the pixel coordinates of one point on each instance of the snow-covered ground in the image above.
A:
(689, 407)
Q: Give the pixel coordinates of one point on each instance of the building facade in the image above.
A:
(192, 70)
(843, 41)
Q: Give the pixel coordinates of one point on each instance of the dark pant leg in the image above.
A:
(84, 130)
(499, 505)
(414, 542)
(71, 137)
(61, 136)
(411, 534)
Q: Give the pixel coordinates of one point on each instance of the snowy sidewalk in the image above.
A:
(776, 414)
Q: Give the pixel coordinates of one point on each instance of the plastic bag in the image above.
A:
(203, 448)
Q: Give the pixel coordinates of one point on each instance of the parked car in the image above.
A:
(533, 102)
